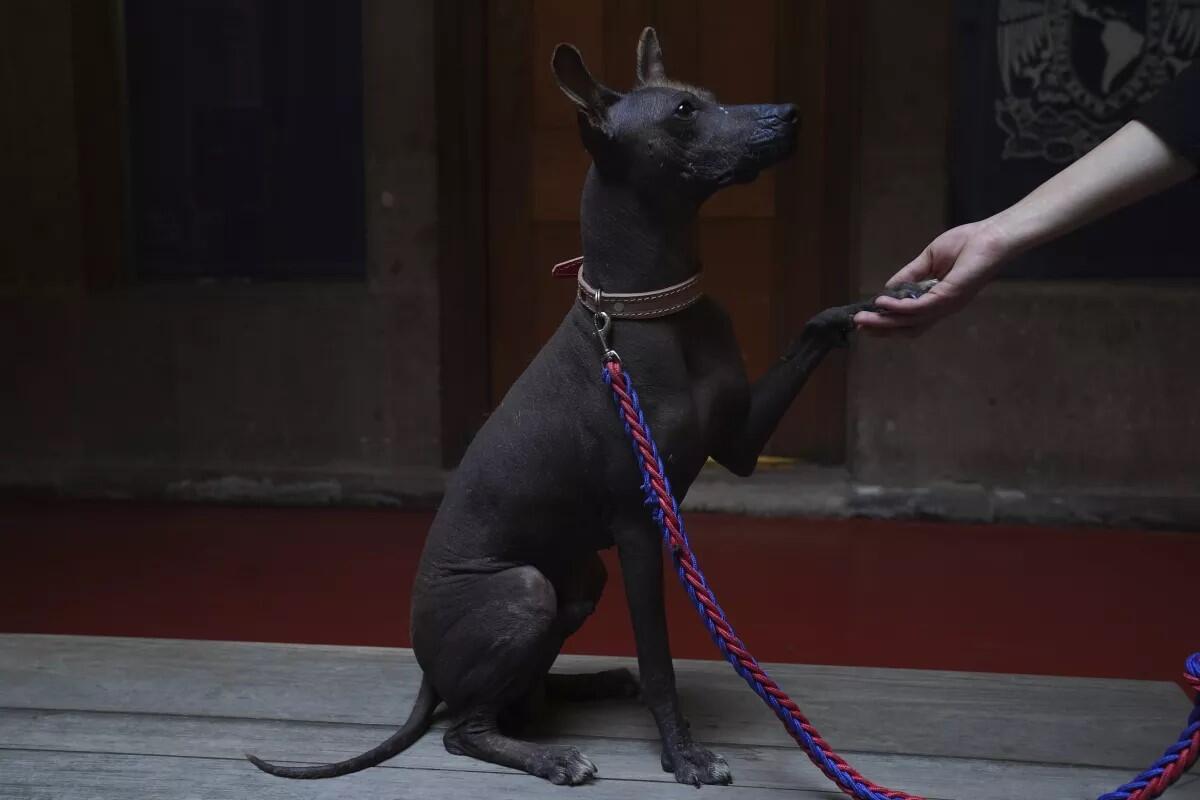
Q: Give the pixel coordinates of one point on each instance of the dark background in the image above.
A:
(246, 138)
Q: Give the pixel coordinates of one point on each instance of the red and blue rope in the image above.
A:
(657, 488)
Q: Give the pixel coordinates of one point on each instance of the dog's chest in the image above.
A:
(692, 420)
(719, 400)
(720, 392)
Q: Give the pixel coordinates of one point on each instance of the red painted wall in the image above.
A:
(1109, 603)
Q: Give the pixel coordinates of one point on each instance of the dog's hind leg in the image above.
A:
(491, 659)
(611, 684)
(578, 595)
(478, 735)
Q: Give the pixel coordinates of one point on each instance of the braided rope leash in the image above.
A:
(1177, 759)
(665, 511)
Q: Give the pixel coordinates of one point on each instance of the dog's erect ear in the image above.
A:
(649, 58)
(589, 95)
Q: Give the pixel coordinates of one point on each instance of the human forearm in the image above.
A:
(1130, 165)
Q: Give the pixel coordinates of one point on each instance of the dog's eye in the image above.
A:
(685, 109)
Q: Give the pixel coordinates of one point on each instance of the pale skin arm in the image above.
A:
(1129, 166)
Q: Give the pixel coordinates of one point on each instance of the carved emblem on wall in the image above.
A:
(1073, 71)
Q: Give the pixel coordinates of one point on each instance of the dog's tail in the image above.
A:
(419, 720)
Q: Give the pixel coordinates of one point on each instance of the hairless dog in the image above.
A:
(510, 568)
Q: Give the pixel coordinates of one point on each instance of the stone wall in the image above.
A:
(298, 390)
(1045, 387)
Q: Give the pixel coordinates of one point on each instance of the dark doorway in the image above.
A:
(246, 134)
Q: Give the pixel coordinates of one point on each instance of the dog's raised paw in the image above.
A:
(564, 766)
(694, 765)
(910, 291)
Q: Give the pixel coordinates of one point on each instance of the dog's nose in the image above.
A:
(789, 114)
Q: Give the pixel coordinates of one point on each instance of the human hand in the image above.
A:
(962, 259)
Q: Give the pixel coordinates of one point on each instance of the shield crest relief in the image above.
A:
(1073, 71)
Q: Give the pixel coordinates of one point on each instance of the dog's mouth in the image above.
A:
(778, 146)
(774, 144)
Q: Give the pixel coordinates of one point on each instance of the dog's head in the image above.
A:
(668, 137)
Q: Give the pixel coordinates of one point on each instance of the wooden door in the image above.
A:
(774, 251)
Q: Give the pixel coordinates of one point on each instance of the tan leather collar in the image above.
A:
(640, 305)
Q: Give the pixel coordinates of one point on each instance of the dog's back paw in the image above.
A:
(563, 766)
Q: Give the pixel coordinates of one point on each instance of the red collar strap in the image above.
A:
(631, 305)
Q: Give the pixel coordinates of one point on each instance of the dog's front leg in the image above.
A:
(641, 567)
(773, 393)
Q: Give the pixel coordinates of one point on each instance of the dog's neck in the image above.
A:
(632, 243)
